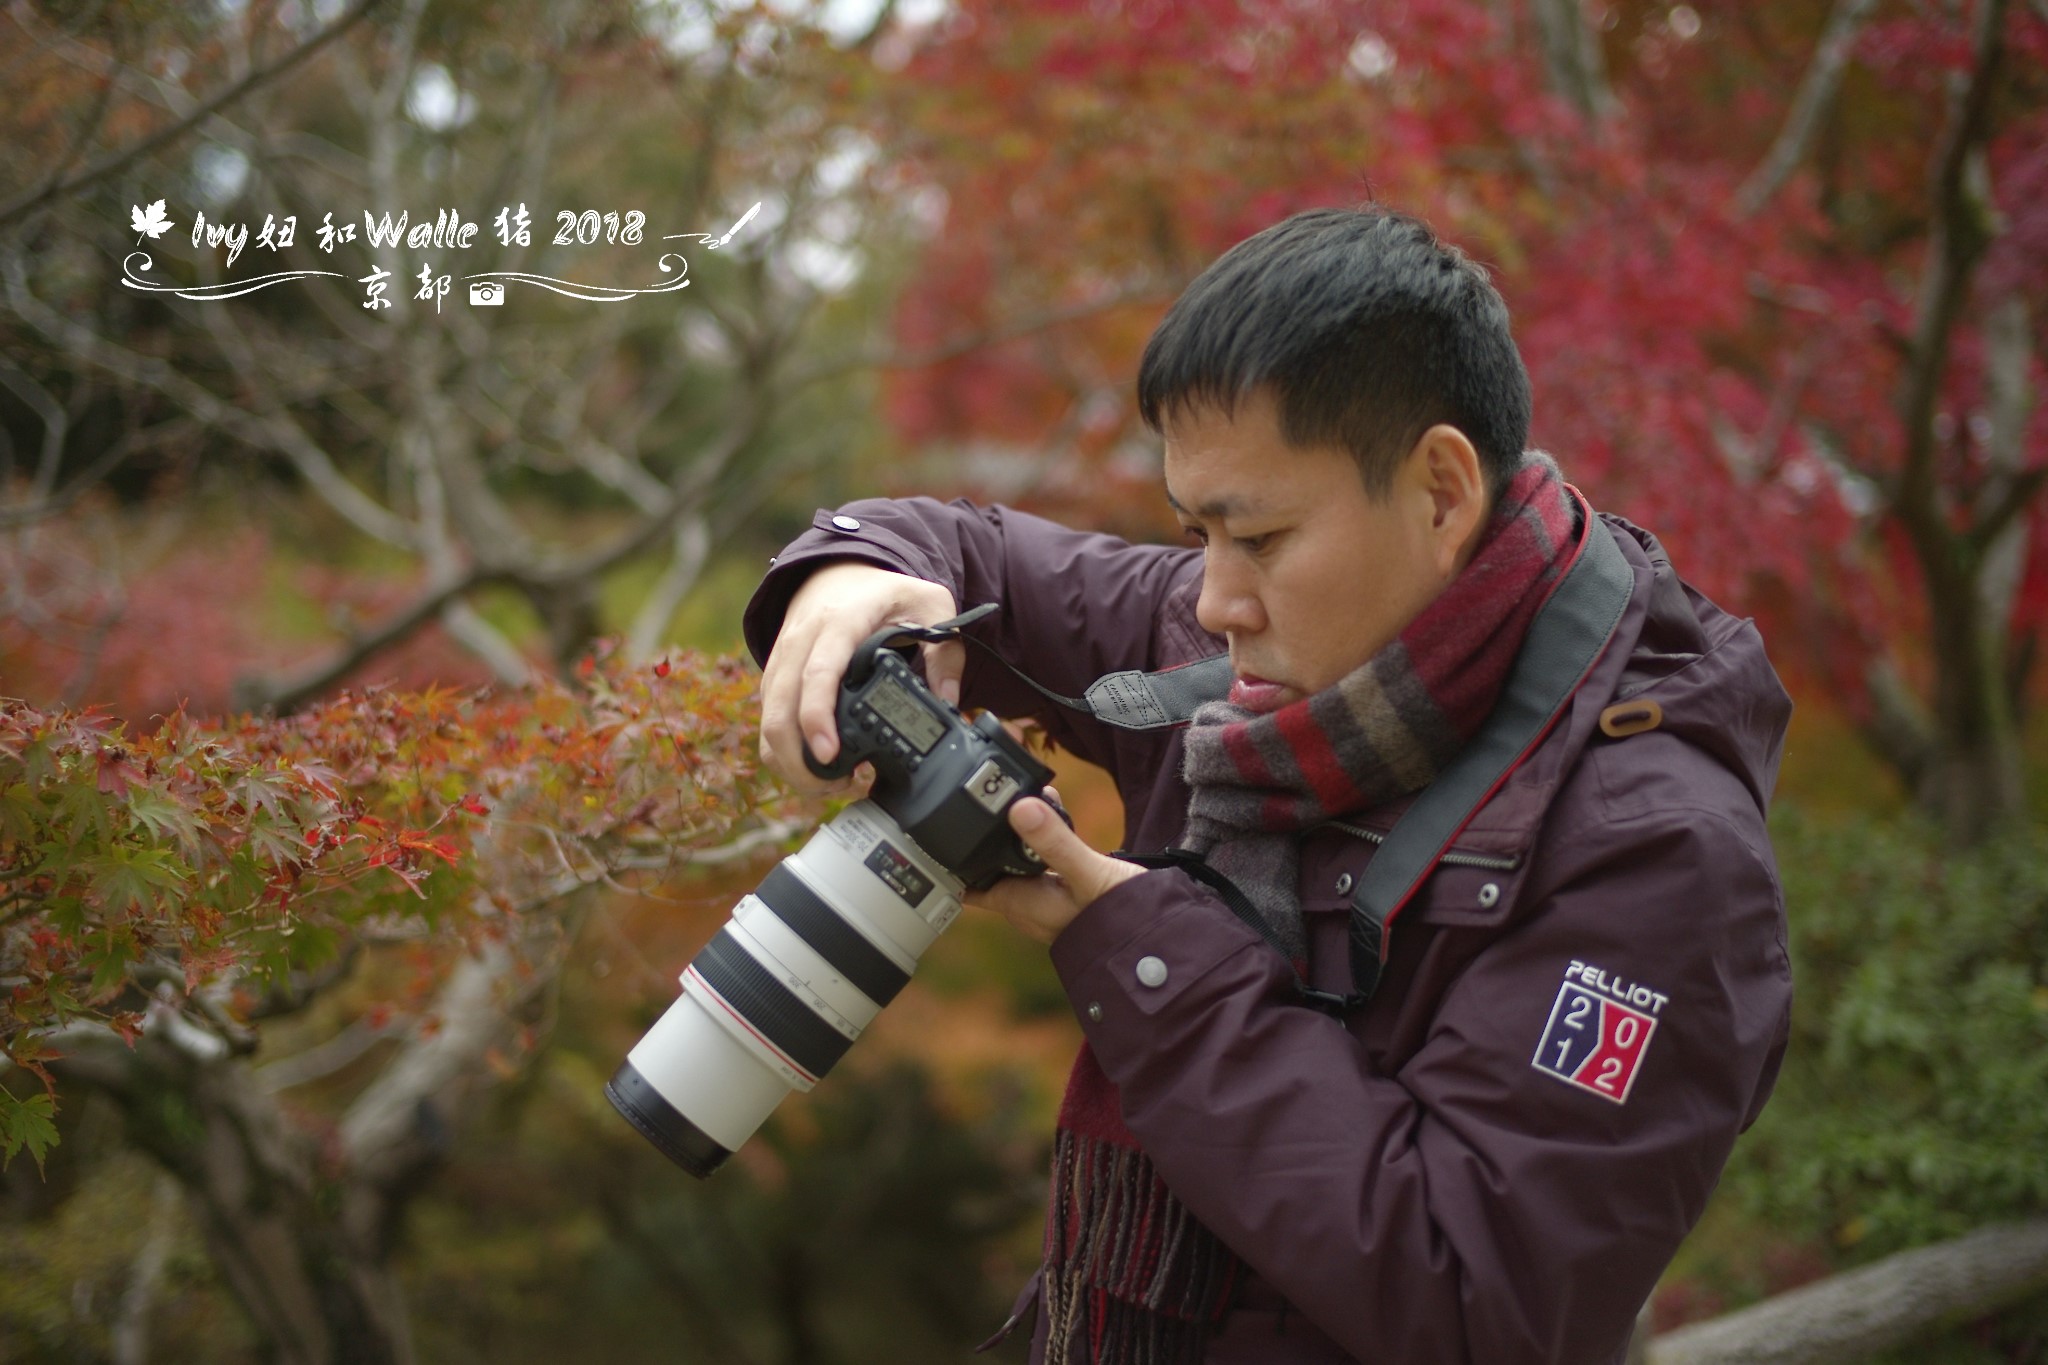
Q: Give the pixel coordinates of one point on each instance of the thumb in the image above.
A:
(1087, 873)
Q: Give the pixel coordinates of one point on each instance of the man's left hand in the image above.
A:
(1076, 874)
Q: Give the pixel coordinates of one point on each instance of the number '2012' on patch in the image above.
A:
(1594, 1044)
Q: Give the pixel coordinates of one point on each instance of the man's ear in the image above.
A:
(1446, 466)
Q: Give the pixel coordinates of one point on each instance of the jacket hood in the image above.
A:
(1708, 672)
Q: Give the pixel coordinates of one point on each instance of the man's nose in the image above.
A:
(1227, 606)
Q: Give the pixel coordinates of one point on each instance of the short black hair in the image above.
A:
(1367, 329)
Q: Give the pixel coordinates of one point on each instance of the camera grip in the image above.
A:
(836, 769)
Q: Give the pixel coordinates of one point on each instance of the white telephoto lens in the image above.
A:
(785, 987)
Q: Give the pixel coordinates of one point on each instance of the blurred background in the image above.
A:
(1780, 273)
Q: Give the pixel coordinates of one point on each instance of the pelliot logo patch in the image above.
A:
(1599, 1028)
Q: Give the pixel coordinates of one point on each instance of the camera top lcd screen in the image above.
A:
(902, 711)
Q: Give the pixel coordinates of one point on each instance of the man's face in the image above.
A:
(1302, 572)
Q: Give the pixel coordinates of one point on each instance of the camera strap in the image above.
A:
(1130, 699)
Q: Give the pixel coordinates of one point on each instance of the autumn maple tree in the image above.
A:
(1778, 272)
(166, 892)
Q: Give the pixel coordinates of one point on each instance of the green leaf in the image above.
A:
(128, 878)
(164, 818)
(27, 1122)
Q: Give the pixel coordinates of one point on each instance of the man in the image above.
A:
(1573, 1012)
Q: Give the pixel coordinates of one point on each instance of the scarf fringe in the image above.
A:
(1131, 1276)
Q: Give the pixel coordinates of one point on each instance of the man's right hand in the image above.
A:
(837, 607)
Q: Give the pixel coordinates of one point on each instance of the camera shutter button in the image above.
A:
(1151, 971)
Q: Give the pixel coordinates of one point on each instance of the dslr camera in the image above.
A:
(835, 930)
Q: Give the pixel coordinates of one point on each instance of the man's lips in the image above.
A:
(1258, 694)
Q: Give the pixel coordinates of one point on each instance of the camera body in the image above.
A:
(834, 931)
(947, 783)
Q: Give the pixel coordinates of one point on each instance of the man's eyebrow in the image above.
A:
(1216, 509)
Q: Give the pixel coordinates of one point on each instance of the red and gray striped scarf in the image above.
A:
(1131, 1276)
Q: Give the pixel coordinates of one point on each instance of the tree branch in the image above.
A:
(1857, 1314)
(1961, 230)
(1571, 53)
(119, 161)
(296, 689)
(2020, 490)
(686, 561)
(274, 432)
(1899, 728)
(1816, 94)
(406, 1116)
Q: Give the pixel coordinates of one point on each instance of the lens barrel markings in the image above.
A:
(830, 936)
(781, 1018)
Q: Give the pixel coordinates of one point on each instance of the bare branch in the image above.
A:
(56, 423)
(2000, 533)
(2020, 492)
(383, 1134)
(1899, 728)
(1863, 1312)
(1571, 53)
(131, 1324)
(130, 442)
(1961, 231)
(686, 561)
(488, 643)
(321, 1060)
(274, 431)
(121, 160)
(296, 689)
(1809, 106)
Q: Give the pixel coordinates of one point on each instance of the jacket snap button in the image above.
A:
(1344, 884)
(1151, 971)
(1489, 895)
(847, 523)
(1095, 1013)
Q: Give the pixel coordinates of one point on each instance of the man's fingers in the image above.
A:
(817, 710)
(798, 775)
(944, 662)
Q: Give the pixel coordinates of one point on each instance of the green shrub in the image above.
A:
(1914, 1100)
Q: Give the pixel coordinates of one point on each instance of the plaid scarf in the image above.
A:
(1131, 1277)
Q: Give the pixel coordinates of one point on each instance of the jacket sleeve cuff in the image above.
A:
(1142, 950)
(830, 539)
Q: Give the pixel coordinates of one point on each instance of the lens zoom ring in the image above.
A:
(773, 1011)
(830, 936)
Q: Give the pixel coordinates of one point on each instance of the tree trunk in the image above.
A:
(1975, 782)
(1961, 756)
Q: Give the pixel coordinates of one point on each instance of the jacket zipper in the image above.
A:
(1483, 861)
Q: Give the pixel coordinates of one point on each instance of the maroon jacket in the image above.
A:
(1586, 1002)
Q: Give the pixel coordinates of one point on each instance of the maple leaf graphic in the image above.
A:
(150, 222)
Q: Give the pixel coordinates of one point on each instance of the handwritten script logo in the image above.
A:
(447, 231)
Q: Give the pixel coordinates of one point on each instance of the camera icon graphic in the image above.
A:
(487, 294)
